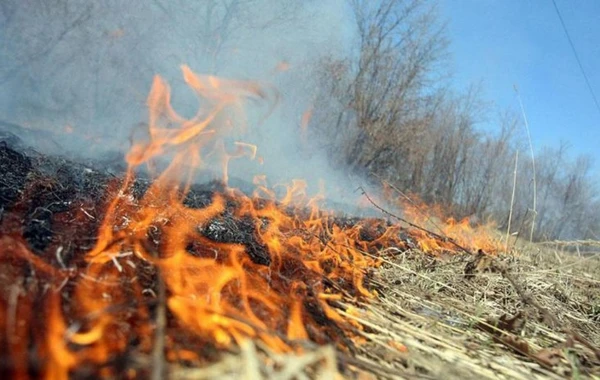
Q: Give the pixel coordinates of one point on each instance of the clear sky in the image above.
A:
(506, 42)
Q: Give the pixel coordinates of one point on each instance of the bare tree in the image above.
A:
(385, 88)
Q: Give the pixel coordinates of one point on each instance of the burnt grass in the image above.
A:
(528, 313)
(55, 206)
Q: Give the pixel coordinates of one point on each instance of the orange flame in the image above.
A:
(279, 283)
(464, 233)
(219, 292)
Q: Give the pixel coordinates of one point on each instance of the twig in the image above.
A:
(593, 243)
(418, 207)
(431, 233)
(532, 164)
(11, 320)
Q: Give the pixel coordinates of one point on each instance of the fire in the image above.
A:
(282, 66)
(277, 287)
(463, 233)
(229, 267)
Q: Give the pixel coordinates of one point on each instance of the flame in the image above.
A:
(219, 291)
(278, 289)
(306, 116)
(115, 33)
(305, 121)
(464, 233)
(279, 281)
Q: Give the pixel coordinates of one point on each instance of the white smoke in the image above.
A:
(75, 74)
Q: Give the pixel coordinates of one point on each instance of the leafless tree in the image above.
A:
(381, 88)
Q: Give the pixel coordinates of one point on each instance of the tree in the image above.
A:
(386, 88)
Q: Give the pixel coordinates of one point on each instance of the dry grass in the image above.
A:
(432, 321)
(446, 320)
(254, 362)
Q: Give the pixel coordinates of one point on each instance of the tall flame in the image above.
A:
(219, 292)
(232, 266)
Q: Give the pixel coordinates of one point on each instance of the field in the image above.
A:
(530, 314)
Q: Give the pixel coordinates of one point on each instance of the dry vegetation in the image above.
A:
(392, 112)
(520, 317)
(387, 110)
(530, 314)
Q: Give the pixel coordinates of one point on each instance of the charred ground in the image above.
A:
(520, 315)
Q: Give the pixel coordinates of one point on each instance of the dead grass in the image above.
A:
(450, 324)
(431, 320)
(254, 362)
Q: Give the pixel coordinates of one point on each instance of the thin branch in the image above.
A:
(431, 233)
(48, 48)
(418, 207)
(532, 163)
(593, 243)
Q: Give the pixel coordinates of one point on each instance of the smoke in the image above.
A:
(75, 74)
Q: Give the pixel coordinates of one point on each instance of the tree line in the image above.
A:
(392, 115)
(384, 107)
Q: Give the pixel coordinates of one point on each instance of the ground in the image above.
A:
(531, 314)
(526, 311)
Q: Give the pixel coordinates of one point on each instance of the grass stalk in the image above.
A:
(532, 163)
(512, 199)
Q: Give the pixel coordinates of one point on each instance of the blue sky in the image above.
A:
(501, 43)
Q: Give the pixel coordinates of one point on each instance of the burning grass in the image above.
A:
(149, 274)
(432, 321)
(218, 274)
